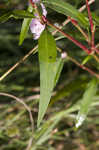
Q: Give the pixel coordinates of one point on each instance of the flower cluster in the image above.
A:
(36, 26)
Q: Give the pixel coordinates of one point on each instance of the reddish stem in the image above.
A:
(32, 3)
(84, 68)
(67, 36)
(75, 23)
(91, 24)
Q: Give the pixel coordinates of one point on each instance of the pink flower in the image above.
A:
(36, 1)
(35, 26)
(44, 10)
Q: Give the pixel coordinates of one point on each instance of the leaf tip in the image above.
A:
(20, 42)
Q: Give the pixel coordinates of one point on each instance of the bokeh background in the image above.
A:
(24, 82)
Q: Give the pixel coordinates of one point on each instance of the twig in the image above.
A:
(37, 96)
(25, 105)
(75, 23)
(67, 36)
(95, 49)
(91, 24)
(84, 67)
(97, 45)
(80, 65)
(96, 58)
(84, 6)
(68, 20)
(18, 63)
(30, 143)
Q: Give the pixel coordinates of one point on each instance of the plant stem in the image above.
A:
(35, 7)
(67, 36)
(68, 20)
(80, 65)
(75, 23)
(32, 3)
(96, 58)
(24, 104)
(18, 63)
(91, 24)
(97, 50)
(83, 67)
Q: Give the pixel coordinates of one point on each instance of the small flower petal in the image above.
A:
(35, 1)
(36, 28)
(44, 10)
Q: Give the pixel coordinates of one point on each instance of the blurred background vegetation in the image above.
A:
(24, 82)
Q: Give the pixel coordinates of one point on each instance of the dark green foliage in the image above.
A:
(74, 92)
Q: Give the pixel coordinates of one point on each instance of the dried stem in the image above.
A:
(97, 46)
(68, 20)
(96, 58)
(75, 23)
(95, 49)
(18, 63)
(25, 105)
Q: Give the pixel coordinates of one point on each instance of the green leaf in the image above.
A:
(25, 27)
(86, 59)
(24, 30)
(22, 14)
(59, 69)
(67, 9)
(17, 14)
(86, 102)
(48, 70)
(47, 47)
(47, 81)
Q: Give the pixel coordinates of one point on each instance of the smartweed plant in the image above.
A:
(52, 58)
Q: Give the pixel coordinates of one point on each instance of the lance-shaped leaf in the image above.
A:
(48, 70)
(22, 14)
(25, 27)
(67, 9)
(17, 14)
(86, 102)
(47, 48)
